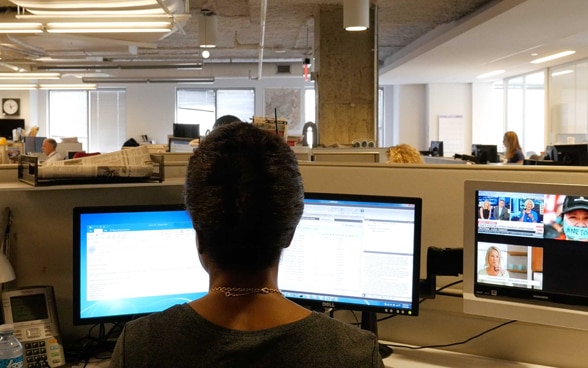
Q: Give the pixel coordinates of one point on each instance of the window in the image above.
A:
(96, 118)
(525, 110)
(204, 106)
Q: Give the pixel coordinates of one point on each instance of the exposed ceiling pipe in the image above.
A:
(262, 42)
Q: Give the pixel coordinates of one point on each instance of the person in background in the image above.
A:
(514, 153)
(49, 148)
(404, 154)
(244, 193)
(224, 120)
(501, 212)
(485, 210)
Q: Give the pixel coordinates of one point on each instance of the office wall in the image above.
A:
(412, 121)
(42, 243)
(151, 107)
(452, 100)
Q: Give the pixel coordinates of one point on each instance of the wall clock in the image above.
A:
(10, 106)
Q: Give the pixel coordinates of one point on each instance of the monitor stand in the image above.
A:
(369, 321)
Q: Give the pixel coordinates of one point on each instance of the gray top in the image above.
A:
(180, 337)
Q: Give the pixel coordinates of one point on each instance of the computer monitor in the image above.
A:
(177, 144)
(571, 154)
(350, 251)
(357, 252)
(527, 266)
(436, 149)
(33, 144)
(133, 260)
(8, 125)
(186, 130)
(485, 153)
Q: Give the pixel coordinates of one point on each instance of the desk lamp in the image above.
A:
(6, 270)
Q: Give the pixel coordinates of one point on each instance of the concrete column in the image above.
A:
(346, 84)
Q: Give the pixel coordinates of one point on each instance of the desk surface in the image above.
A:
(434, 358)
(425, 358)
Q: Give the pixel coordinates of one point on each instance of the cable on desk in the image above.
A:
(453, 343)
(90, 346)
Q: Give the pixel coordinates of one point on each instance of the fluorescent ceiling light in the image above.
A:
(30, 75)
(17, 87)
(562, 72)
(91, 6)
(206, 80)
(84, 86)
(121, 65)
(29, 86)
(553, 57)
(490, 74)
(24, 27)
(108, 27)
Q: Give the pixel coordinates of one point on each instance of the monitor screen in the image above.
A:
(571, 154)
(528, 248)
(485, 153)
(186, 130)
(133, 260)
(355, 252)
(436, 149)
(177, 144)
(33, 144)
(8, 125)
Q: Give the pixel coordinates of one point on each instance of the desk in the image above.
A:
(434, 358)
(425, 358)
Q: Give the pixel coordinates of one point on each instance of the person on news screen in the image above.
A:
(572, 223)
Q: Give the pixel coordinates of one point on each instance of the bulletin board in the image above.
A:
(452, 133)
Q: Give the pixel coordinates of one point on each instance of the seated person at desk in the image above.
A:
(49, 149)
(514, 153)
(404, 154)
(244, 193)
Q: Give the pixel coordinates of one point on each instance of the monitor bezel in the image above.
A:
(414, 310)
(507, 306)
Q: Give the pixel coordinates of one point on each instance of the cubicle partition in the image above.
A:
(42, 245)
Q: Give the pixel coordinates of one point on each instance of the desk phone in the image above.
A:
(33, 313)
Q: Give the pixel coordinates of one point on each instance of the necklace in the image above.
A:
(236, 291)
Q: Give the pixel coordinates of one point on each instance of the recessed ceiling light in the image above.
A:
(491, 74)
(562, 72)
(553, 57)
(205, 54)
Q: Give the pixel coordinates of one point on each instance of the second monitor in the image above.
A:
(485, 153)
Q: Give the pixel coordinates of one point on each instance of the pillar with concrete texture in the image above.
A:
(345, 79)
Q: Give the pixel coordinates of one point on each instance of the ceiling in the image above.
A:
(419, 41)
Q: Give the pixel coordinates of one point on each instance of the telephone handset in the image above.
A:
(33, 313)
